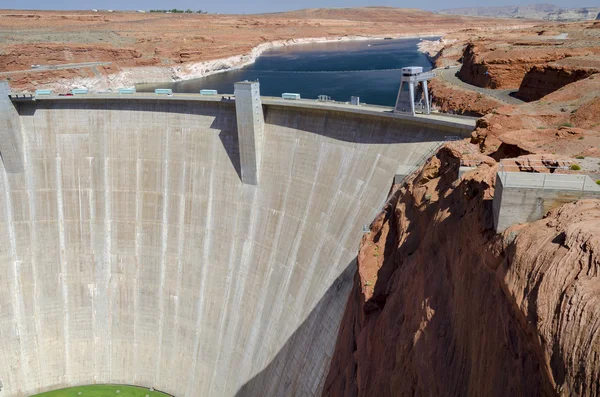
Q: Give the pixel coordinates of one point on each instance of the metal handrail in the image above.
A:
(504, 174)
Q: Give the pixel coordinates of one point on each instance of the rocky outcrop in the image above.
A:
(443, 306)
(486, 66)
(448, 98)
(565, 122)
(540, 81)
(474, 71)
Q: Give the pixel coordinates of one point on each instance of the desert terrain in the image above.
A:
(131, 47)
(538, 88)
(549, 12)
(441, 304)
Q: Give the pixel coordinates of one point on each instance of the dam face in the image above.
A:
(132, 253)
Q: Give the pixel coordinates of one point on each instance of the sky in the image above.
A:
(260, 6)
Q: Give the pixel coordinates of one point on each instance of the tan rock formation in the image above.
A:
(451, 99)
(443, 306)
(565, 122)
(540, 81)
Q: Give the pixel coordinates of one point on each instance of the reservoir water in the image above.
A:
(368, 69)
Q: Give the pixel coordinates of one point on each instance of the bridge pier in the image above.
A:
(11, 147)
(250, 127)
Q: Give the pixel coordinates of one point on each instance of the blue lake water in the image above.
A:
(368, 69)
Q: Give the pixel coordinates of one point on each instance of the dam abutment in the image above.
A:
(11, 149)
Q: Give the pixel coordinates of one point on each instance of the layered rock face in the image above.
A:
(540, 81)
(565, 123)
(481, 69)
(450, 99)
(500, 68)
(442, 306)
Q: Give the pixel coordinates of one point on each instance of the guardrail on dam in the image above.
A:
(133, 253)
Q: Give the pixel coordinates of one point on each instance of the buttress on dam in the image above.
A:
(132, 253)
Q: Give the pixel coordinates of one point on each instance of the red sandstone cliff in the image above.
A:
(488, 65)
(443, 306)
(540, 81)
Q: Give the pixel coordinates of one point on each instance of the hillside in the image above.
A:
(150, 47)
(548, 12)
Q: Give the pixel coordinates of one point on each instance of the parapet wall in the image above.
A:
(132, 252)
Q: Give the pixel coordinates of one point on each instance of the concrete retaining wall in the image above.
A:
(132, 253)
(522, 197)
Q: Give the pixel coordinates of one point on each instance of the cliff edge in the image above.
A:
(443, 306)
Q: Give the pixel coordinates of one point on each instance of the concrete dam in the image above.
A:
(132, 253)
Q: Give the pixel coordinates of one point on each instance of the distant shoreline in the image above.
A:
(301, 42)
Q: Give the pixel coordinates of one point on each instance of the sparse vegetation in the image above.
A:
(598, 182)
(541, 127)
(177, 11)
(580, 138)
(567, 124)
(368, 284)
(575, 167)
(579, 157)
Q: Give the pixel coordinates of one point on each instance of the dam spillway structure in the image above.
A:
(133, 253)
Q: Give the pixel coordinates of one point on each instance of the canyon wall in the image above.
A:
(540, 81)
(481, 69)
(442, 306)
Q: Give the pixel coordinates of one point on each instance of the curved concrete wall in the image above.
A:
(130, 251)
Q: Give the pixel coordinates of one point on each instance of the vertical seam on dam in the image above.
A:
(163, 248)
(97, 274)
(30, 186)
(208, 234)
(107, 257)
(180, 259)
(17, 290)
(137, 247)
(63, 265)
(228, 281)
